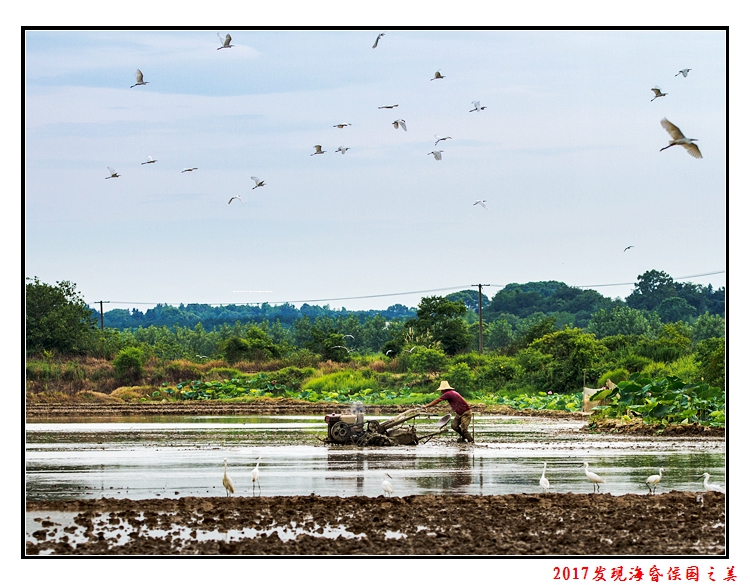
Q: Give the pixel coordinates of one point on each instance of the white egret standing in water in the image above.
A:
(387, 486)
(228, 485)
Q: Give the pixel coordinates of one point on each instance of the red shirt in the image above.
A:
(457, 402)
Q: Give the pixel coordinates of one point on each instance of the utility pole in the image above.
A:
(481, 348)
(101, 313)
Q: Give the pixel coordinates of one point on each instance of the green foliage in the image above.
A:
(708, 326)
(620, 321)
(616, 376)
(57, 318)
(441, 321)
(710, 356)
(533, 401)
(129, 363)
(663, 401)
(566, 354)
(460, 376)
(424, 359)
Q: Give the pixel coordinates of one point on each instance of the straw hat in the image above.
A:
(444, 386)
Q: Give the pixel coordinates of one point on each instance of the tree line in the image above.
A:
(580, 333)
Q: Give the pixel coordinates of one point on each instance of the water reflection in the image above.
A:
(175, 457)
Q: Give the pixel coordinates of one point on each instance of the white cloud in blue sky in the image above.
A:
(566, 155)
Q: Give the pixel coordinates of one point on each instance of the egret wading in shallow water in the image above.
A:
(318, 150)
(224, 42)
(653, 480)
(138, 79)
(543, 481)
(593, 477)
(255, 475)
(387, 486)
(112, 173)
(678, 138)
(657, 92)
(228, 485)
(711, 487)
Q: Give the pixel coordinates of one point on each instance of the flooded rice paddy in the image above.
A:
(174, 457)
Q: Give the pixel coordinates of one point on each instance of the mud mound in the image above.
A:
(675, 523)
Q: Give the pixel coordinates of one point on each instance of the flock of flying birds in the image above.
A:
(226, 43)
(677, 137)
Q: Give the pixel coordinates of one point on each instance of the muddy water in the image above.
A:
(171, 457)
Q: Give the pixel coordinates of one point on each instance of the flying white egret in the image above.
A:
(258, 182)
(227, 481)
(342, 149)
(389, 351)
(679, 138)
(481, 202)
(341, 125)
(387, 486)
(342, 347)
(189, 170)
(149, 161)
(683, 71)
(543, 481)
(138, 79)
(235, 197)
(653, 480)
(255, 475)
(225, 42)
(437, 154)
(438, 75)
(112, 173)
(388, 107)
(711, 487)
(397, 123)
(628, 248)
(438, 139)
(203, 357)
(477, 107)
(318, 150)
(593, 477)
(380, 36)
(657, 92)
(349, 335)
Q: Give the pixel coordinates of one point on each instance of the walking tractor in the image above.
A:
(352, 428)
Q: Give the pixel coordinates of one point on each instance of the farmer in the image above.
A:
(461, 421)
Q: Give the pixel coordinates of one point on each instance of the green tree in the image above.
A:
(620, 321)
(708, 326)
(57, 318)
(129, 363)
(675, 309)
(571, 351)
(442, 321)
(651, 289)
(710, 354)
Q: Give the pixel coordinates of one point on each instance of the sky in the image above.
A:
(566, 155)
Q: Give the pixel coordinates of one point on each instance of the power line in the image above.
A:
(398, 294)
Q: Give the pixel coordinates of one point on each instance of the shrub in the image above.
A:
(129, 363)
(617, 375)
(460, 376)
(424, 359)
(134, 393)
